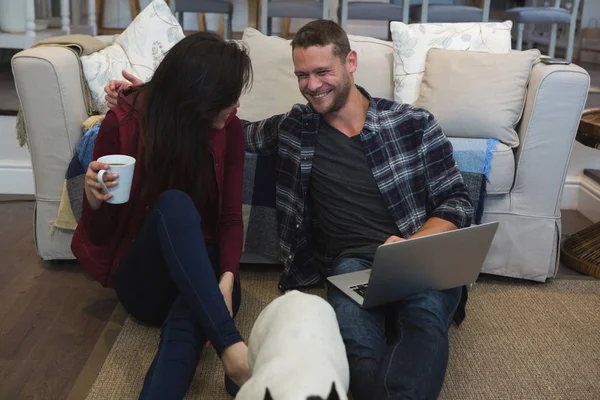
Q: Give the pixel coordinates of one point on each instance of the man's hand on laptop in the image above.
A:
(114, 87)
(394, 239)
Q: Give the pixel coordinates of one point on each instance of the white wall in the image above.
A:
(15, 165)
(590, 14)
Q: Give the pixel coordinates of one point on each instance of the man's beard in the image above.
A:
(341, 94)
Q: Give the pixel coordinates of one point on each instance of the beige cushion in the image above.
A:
(275, 87)
(478, 95)
(502, 172)
(412, 42)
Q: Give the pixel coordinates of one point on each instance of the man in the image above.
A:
(355, 172)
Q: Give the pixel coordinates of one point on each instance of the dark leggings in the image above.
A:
(169, 278)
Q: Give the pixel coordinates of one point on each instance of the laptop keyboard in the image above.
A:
(360, 289)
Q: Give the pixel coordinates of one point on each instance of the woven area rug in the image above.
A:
(519, 341)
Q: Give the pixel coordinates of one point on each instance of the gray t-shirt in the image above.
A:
(353, 217)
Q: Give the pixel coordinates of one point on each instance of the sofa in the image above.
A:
(525, 184)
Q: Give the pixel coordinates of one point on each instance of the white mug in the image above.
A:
(124, 166)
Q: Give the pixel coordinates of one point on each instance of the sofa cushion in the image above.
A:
(138, 50)
(467, 90)
(275, 87)
(502, 173)
(100, 68)
(412, 42)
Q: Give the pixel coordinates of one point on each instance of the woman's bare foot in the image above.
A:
(235, 361)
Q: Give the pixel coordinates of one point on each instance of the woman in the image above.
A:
(172, 251)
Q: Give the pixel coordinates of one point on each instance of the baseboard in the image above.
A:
(581, 193)
(16, 178)
(571, 193)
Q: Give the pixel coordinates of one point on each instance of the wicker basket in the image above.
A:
(581, 251)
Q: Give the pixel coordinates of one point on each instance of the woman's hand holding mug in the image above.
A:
(101, 180)
(93, 190)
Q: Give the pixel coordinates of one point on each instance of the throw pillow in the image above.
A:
(275, 87)
(412, 42)
(477, 95)
(138, 50)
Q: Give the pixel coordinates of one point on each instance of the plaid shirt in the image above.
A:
(409, 155)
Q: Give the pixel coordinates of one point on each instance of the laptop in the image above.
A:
(436, 262)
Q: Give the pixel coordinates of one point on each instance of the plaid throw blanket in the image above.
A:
(259, 213)
(70, 206)
(261, 243)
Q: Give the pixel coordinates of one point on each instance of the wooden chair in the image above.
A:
(312, 9)
(392, 10)
(552, 15)
(222, 7)
(437, 11)
(134, 9)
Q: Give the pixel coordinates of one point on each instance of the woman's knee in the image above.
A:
(174, 197)
(176, 203)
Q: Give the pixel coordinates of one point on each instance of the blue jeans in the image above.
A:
(169, 277)
(413, 366)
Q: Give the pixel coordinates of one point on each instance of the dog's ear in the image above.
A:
(268, 395)
(333, 395)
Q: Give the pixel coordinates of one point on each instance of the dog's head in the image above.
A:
(333, 395)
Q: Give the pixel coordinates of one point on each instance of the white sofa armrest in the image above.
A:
(49, 87)
(555, 101)
(50, 91)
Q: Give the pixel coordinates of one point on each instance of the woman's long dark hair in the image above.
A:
(198, 78)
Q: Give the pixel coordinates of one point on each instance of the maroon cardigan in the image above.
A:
(103, 237)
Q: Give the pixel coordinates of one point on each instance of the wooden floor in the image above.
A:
(51, 315)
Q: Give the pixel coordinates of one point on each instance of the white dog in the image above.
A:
(296, 352)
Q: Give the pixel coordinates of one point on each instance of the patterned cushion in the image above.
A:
(138, 50)
(412, 42)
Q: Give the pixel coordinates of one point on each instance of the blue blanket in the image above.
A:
(474, 160)
(78, 166)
